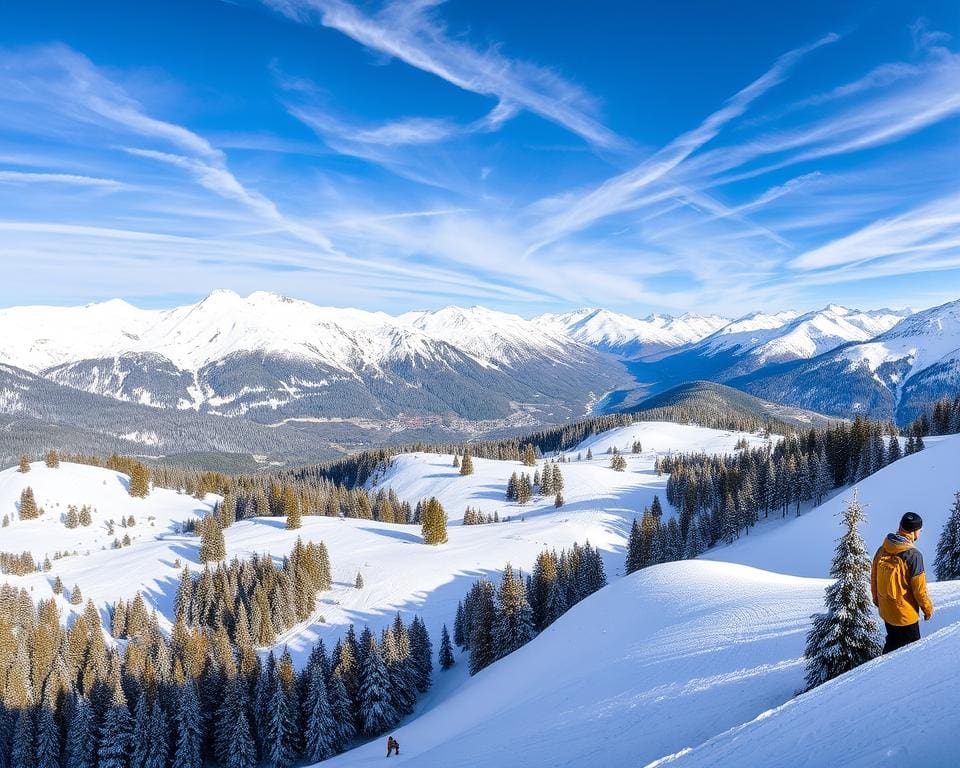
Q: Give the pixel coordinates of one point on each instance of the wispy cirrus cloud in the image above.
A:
(932, 229)
(68, 179)
(406, 31)
(620, 193)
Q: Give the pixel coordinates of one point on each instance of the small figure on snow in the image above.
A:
(393, 746)
(899, 584)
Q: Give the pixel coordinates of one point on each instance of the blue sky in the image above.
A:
(685, 156)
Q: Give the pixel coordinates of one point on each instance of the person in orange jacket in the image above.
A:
(899, 584)
(393, 746)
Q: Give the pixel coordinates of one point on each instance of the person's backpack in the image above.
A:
(891, 576)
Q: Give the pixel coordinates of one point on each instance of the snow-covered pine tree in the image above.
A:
(421, 653)
(281, 721)
(845, 636)
(28, 505)
(947, 564)
(556, 604)
(459, 631)
(513, 620)
(235, 746)
(634, 548)
(401, 673)
(81, 746)
(188, 727)
(445, 658)
(341, 712)
(482, 647)
(115, 731)
(212, 545)
(22, 743)
(48, 730)
(158, 755)
(319, 728)
(376, 712)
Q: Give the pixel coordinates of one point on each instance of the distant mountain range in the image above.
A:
(276, 362)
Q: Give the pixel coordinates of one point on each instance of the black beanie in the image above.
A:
(911, 522)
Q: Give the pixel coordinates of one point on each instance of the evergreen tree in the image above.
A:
(529, 456)
(459, 627)
(115, 742)
(634, 548)
(22, 748)
(158, 755)
(656, 509)
(212, 544)
(341, 712)
(558, 500)
(320, 729)
(845, 636)
(947, 564)
(376, 712)
(446, 658)
(28, 505)
(235, 745)
(81, 746)
(52, 459)
(466, 464)
(139, 485)
(48, 733)
(421, 653)
(291, 508)
(280, 730)
(482, 646)
(513, 619)
(556, 604)
(188, 727)
(434, 526)
(358, 582)
(893, 451)
(24, 465)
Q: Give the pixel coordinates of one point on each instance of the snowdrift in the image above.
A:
(897, 710)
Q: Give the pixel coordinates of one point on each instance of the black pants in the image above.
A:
(897, 637)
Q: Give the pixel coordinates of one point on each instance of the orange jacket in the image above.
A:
(899, 583)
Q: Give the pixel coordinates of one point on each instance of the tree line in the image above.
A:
(492, 622)
(68, 699)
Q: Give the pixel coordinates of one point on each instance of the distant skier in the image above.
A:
(899, 584)
(393, 746)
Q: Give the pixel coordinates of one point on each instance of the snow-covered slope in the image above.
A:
(924, 482)
(851, 721)
(658, 661)
(104, 491)
(629, 336)
(895, 374)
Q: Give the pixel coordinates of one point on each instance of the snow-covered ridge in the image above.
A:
(789, 336)
(627, 335)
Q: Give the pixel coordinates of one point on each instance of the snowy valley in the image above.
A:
(676, 662)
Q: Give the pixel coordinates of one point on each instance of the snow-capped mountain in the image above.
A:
(788, 336)
(267, 357)
(631, 337)
(494, 338)
(893, 375)
(760, 340)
